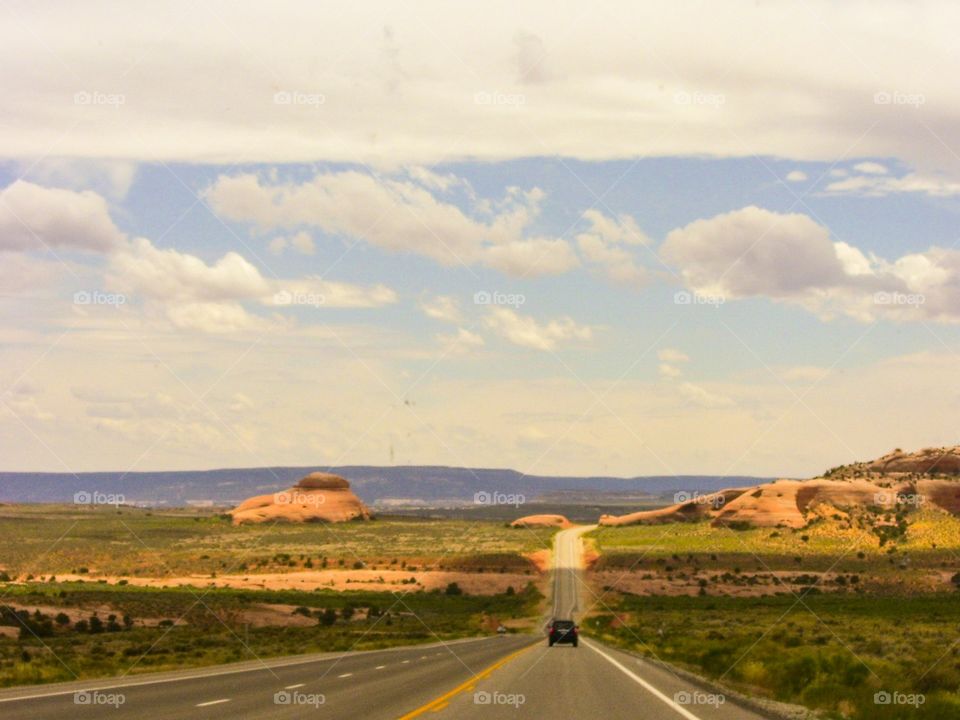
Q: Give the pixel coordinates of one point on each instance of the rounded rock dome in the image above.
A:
(323, 481)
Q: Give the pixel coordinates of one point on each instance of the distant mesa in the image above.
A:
(929, 477)
(542, 521)
(318, 497)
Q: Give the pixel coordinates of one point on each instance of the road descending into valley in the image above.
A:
(516, 676)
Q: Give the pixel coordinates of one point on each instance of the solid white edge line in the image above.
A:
(643, 683)
(213, 702)
(200, 675)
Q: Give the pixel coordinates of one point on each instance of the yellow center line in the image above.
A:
(442, 701)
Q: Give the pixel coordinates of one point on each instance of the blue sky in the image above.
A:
(662, 194)
(279, 265)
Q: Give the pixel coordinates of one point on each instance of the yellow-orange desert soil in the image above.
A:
(759, 584)
(376, 580)
(274, 615)
(81, 612)
(540, 558)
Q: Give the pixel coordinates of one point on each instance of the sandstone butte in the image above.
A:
(319, 497)
(542, 521)
(930, 477)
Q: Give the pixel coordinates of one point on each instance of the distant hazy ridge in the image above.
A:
(370, 483)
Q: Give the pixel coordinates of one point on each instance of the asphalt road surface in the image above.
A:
(591, 681)
(497, 677)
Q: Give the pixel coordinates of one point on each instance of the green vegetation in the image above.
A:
(855, 603)
(828, 652)
(136, 629)
(46, 539)
(931, 540)
(54, 630)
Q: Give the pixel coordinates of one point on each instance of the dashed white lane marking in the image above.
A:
(404, 662)
(213, 702)
(206, 674)
(345, 675)
(423, 657)
(643, 683)
(379, 667)
(294, 687)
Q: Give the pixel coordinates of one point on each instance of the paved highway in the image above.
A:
(498, 677)
(591, 681)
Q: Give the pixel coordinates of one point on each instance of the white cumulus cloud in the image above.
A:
(672, 355)
(525, 331)
(33, 217)
(871, 168)
(701, 396)
(399, 215)
(169, 274)
(605, 246)
(441, 307)
(754, 252)
(792, 258)
(460, 342)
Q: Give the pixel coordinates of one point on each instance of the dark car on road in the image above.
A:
(563, 631)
